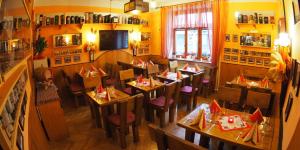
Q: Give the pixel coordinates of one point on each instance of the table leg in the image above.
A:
(97, 115)
(105, 113)
(189, 135)
(148, 117)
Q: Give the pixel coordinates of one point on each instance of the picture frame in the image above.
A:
(288, 107)
(259, 61)
(297, 76)
(235, 38)
(251, 60)
(67, 59)
(234, 58)
(267, 62)
(76, 58)
(145, 36)
(227, 57)
(298, 88)
(227, 37)
(296, 10)
(227, 50)
(235, 51)
(58, 60)
(292, 70)
(295, 73)
(243, 60)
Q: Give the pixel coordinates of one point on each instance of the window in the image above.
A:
(187, 43)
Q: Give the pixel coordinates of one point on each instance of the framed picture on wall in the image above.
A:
(296, 10)
(297, 76)
(235, 38)
(68, 59)
(76, 58)
(292, 70)
(227, 50)
(288, 107)
(58, 60)
(227, 37)
(295, 73)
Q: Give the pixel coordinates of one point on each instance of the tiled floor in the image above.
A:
(85, 136)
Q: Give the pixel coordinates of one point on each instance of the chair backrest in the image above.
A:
(134, 104)
(169, 94)
(256, 98)
(153, 69)
(166, 140)
(126, 74)
(196, 80)
(177, 91)
(158, 136)
(230, 94)
(173, 65)
(176, 143)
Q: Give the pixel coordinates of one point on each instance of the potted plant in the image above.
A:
(40, 45)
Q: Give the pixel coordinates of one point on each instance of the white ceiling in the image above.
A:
(119, 3)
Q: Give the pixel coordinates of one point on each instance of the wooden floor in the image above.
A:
(85, 136)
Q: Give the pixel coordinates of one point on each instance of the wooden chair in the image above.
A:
(231, 95)
(176, 143)
(166, 140)
(158, 136)
(173, 66)
(126, 75)
(77, 88)
(110, 70)
(163, 103)
(126, 116)
(207, 82)
(153, 70)
(190, 91)
(262, 98)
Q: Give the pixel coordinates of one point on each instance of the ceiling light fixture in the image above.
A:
(136, 6)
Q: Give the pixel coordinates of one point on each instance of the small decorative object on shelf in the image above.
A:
(255, 40)
(252, 17)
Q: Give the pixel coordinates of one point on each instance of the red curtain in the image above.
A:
(203, 14)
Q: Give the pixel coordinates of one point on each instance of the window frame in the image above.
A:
(199, 51)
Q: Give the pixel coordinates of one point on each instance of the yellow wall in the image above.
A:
(155, 25)
(291, 128)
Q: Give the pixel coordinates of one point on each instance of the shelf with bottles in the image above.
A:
(88, 18)
(255, 17)
(255, 40)
(11, 109)
(67, 40)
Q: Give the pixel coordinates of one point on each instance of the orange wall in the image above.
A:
(49, 31)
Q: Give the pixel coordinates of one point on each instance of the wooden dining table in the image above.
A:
(191, 70)
(172, 76)
(146, 89)
(138, 68)
(214, 132)
(105, 106)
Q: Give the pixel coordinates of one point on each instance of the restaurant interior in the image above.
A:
(149, 74)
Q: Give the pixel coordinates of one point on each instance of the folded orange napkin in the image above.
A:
(252, 135)
(93, 68)
(265, 83)
(101, 71)
(82, 71)
(151, 80)
(140, 78)
(88, 74)
(215, 107)
(151, 62)
(141, 61)
(197, 68)
(107, 96)
(185, 66)
(257, 116)
(165, 73)
(242, 78)
(132, 62)
(200, 120)
(179, 75)
(100, 89)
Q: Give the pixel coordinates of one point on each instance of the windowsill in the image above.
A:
(191, 60)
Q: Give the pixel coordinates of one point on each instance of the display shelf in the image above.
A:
(254, 25)
(16, 123)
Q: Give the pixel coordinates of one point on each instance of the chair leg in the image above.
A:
(172, 112)
(195, 101)
(189, 103)
(123, 138)
(204, 141)
(135, 131)
(76, 100)
(151, 111)
(162, 118)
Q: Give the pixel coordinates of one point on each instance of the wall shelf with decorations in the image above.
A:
(254, 25)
